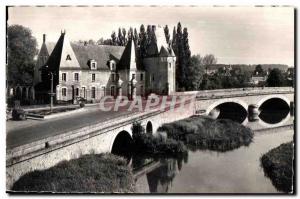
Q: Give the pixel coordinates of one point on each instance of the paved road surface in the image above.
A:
(37, 130)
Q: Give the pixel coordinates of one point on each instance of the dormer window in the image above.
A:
(93, 65)
(112, 65)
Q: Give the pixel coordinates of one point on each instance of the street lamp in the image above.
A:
(51, 91)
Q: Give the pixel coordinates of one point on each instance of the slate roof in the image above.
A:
(166, 52)
(100, 53)
(125, 60)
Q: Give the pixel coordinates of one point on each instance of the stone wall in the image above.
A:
(98, 138)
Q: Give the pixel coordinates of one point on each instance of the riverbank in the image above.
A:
(95, 173)
(159, 145)
(201, 132)
(278, 166)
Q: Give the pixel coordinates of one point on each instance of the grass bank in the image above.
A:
(147, 144)
(278, 166)
(200, 132)
(89, 173)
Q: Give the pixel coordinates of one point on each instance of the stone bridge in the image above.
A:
(104, 136)
(97, 138)
(248, 97)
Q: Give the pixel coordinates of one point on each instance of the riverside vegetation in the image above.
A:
(205, 133)
(89, 173)
(110, 173)
(278, 166)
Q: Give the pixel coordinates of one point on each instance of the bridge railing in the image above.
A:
(15, 154)
(236, 90)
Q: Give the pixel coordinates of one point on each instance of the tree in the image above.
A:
(167, 34)
(113, 38)
(100, 41)
(195, 73)
(120, 38)
(21, 49)
(136, 37)
(143, 41)
(209, 60)
(174, 41)
(259, 70)
(275, 78)
(91, 42)
(124, 40)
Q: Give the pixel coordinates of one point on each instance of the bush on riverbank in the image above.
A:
(207, 133)
(89, 173)
(150, 145)
(278, 166)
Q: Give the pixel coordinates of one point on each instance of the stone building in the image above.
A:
(93, 71)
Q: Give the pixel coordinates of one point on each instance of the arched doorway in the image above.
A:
(149, 128)
(122, 145)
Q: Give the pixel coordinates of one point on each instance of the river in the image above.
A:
(204, 171)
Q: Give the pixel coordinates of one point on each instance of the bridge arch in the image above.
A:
(149, 128)
(268, 125)
(282, 97)
(121, 143)
(226, 100)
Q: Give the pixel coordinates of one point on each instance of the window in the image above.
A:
(93, 77)
(113, 66)
(76, 76)
(77, 91)
(64, 92)
(133, 76)
(104, 91)
(68, 57)
(117, 77)
(83, 92)
(93, 92)
(170, 65)
(142, 76)
(64, 77)
(93, 65)
(152, 77)
(112, 91)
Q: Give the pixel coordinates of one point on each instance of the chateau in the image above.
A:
(93, 71)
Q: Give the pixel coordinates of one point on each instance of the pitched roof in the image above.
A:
(129, 58)
(100, 53)
(166, 52)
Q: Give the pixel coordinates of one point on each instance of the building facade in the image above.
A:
(94, 71)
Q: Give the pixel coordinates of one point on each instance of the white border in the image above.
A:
(3, 3)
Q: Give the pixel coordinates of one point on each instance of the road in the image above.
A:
(24, 132)
(46, 128)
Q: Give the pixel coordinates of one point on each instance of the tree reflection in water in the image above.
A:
(160, 179)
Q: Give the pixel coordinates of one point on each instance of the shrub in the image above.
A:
(148, 144)
(206, 133)
(278, 166)
(89, 173)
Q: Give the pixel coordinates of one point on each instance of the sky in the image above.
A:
(235, 35)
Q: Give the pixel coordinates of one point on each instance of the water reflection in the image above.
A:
(205, 171)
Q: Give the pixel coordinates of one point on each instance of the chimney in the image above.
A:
(44, 38)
